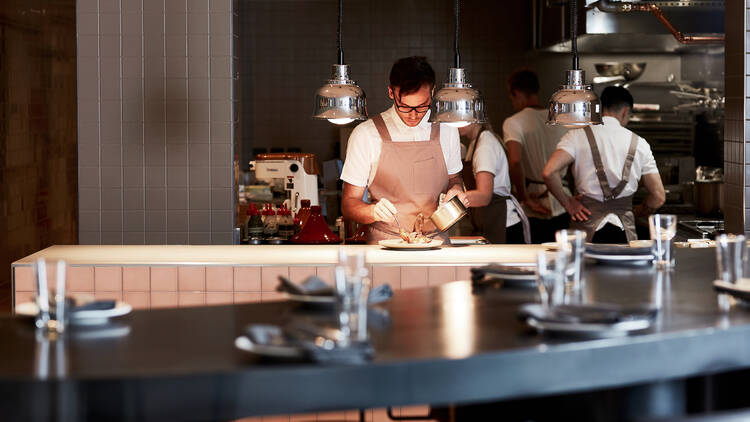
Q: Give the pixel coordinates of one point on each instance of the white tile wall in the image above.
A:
(155, 121)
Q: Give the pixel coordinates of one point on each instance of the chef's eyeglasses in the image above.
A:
(408, 109)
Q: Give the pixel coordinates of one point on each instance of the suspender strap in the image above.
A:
(627, 166)
(606, 190)
(382, 129)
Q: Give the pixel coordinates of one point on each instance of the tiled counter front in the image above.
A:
(146, 287)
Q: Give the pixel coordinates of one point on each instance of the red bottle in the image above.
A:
(315, 231)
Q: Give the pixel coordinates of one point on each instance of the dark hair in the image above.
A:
(524, 80)
(410, 73)
(614, 98)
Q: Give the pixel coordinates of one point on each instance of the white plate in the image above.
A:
(80, 317)
(244, 343)
(618, 257)
(591, 330)
(549, 245)
(400, 244)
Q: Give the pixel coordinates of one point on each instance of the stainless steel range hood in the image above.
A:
(613, 26)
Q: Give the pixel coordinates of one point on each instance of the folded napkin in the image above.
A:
(313, 286)
(72, 307)
(587, 313)
(316, 344)
(500, 271)
(616, 249)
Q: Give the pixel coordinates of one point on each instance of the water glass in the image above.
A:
(573, 242)
(731, 258)
(50, 297)
(352, 292)
(662, 228)
(550, 269)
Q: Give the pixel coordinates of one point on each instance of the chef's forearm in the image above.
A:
(456, 181)
(555, 186)
(354, 209)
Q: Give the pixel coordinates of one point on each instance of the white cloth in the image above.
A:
(613, 142)
(488, 155)
(539, 140)
(363, 150)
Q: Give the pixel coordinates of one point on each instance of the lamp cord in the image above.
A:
(457, 14)
(574, 31)
(341, 20)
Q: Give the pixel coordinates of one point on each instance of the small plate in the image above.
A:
(244, 343)
(621, 259)
(740, 291)
(619, 329)
(550, 245)
(81, 317)
(400, 244)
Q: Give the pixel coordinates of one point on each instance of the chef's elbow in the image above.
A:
(660, 198)
(547, 174)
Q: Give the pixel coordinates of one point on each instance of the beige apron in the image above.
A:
(621, 207)
(489, 221)
(411, 175)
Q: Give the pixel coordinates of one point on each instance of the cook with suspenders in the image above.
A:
(495, 213)
(608, 163)
(403, 161)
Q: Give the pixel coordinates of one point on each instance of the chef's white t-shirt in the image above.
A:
(488, 155)
(364, 146)
(613, 142)
(539, 140)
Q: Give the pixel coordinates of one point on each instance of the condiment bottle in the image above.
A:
(255, 224)
(271, 223)
(286, 224)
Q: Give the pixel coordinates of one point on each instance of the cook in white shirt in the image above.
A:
(404, 161)
(530, 143)
(612, 141)
(486, 176)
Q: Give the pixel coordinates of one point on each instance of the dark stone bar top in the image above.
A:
(447, 344)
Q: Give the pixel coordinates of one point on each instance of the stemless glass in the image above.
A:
(731, 258)
(352, 291)
(662, 228)
(550, 269)
(50, 297)
(573, 242)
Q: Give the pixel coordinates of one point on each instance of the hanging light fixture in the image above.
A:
(575, 104)
(457, 103)
(340, 100)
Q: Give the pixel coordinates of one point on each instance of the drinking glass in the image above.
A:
(573, 242)
(550, 269)
(731, 257)
(50, 297)
(662, 228)
(352, 292)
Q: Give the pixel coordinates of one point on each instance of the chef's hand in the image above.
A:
(457, 191)
(576, 210)
(532, 201)
(384, 210)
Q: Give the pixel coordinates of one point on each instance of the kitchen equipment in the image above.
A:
(629, 71)
(315, 231)
(294, 174)
(703, 229)
(707, 196)
(448, 214)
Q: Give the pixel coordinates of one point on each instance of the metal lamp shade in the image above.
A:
(457, 102)
(575, 104)
(340, 100)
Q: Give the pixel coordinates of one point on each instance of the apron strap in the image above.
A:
(385, 136)
(627, 166)
(435, 132)
(524, 220)
(603, 183)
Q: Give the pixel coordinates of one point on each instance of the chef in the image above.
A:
(496, 214)
(530, 142)
(608, 162)
(401, 159)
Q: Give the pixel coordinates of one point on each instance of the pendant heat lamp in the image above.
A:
(575, 104)
(457, 103)
(340, 100)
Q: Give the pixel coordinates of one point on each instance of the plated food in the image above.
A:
(416, 236)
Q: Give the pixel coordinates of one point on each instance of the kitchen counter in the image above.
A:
(446, 344)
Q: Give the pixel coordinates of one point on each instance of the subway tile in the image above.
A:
(270, 277)
(441, 274)
(153, 24)
(271, 296)
(108, 279)
(134, 221)
(107, 295)
(200, 221)
(175, 24)
(221, 111)
(132, 24)
(177, 221)
(138, 300)
(133, 238)
(24, 279)
(197, 90)
(156, 238)
(191, 278)
(111, 155)
(88, 221)
(112, 221)
(87, 23)
(177, 199)
(221, 67)
(88, 131)
(176, 67)
(111, 199)
(87, 46)
(199, 110)
(111, 237)
(163, 300)
(89, 153)
(88, 199)
(199, 238)
(198, 67)
(89, 237)
(221, 132)
(155, 155)
(219, 298)
(199, 177)
(176, 111)
(109, 48)
(88, 177)
(221, 154)
(132, 67)
(156, 221)
(198, 46)
(221, 177)
(221, 88)
(220, 23)
(413, 277)
(177, 156)
(156, 199)
(153, 45)
(198, 132)
(221, 198)
(198, 23)
(326, 274)
(222, 235)
(199, 156)
(246, 297)
(111, 177)
(177, 88)
(87, 6)
(163, 278)
(177, 176)
(382, 274)
(299, 274)
(80, 279)
(132, 155)
(132, 110)
(135, 278)
(221, 45)
(219, 279)
(155, 177)
(177, 238)
(199, 199)
(463, 272)
(222, 221)
(176, 134)
(132, 46)
(247, 279)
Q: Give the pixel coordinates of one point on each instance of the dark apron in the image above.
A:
(621, 207)
(489, 221)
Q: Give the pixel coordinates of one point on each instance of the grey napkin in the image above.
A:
(616, 249)
(498, 271)
(587, 313)
(313, 286)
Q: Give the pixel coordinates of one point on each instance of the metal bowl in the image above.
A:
(448, 214)
(629, 71)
